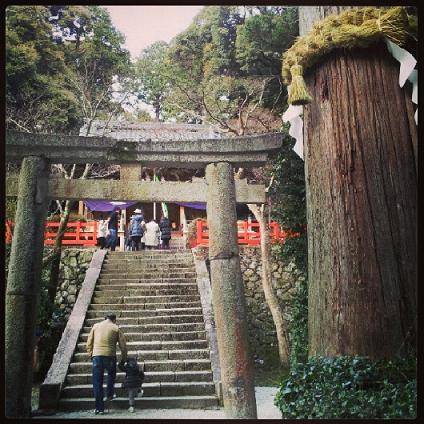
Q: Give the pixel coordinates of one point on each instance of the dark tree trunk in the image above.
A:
(360, 144)
(57, 252)
(270, 295)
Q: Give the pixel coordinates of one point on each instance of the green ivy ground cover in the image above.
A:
(349, 387)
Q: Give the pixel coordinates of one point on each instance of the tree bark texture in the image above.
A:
(360, 163)
(57, 251)
(270, 295)
(310, 14)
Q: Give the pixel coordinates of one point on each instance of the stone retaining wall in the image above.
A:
(74, 263)
(263, 339)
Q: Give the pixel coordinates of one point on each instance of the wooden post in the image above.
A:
(183, 221)
(228, 294)
(23, 285)
(80, 208)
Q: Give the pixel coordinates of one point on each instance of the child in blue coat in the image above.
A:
(134, 378)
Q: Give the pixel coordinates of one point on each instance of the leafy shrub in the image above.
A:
(298, 325)
(349, 387)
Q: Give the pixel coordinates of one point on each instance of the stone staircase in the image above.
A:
(156, 300)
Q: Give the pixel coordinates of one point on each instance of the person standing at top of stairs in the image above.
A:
(165, 231)
(101, 348)
(136, 230)
(112, 226)
(152, 234)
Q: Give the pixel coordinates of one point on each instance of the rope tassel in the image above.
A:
(298, 94)
(352, 28)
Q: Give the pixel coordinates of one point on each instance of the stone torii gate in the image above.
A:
(34, 189)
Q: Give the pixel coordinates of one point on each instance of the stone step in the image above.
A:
(146, 285)
(175, 336)
(145, 291)
(145, 257)
(201, 388)
(146, 275)
(146, 251)
(118, 280)
(149, 377)
(141, 313)
(161, 319)
(155, 355)
(160, 402)
(125, 265)
(148, 264)
(156, 255)
(169, 299)
(148, 328)
(140, 270)
(157, 345)
(132, 306)
(153, 366)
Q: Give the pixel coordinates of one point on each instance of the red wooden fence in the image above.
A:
(247, 232)
(77, 233)
(84, 233)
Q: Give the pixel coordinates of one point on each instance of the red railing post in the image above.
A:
(78, 232)
(245, 233)
(199, 231)
(95, 233)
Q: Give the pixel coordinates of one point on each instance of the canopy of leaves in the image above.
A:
(60, 63)
(153, 75)
(35, 66)
(205, 73)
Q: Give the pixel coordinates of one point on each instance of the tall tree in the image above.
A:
(38, 99)
(359, 142)
(153, 76)
(96, 60)
(233, 51)
(270, 294)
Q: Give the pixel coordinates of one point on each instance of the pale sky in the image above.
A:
(143, 25)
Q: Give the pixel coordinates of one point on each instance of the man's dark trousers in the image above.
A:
(100, 364)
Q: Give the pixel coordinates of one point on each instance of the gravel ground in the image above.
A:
(264, 401)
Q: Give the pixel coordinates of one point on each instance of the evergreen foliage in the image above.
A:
(35, 67)
(224, 69)
(288, 198)
(60, 65)
(349, 387)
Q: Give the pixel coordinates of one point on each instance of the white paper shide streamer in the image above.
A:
(407, 71)
(293, 115)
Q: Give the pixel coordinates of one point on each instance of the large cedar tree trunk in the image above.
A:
(360, 149)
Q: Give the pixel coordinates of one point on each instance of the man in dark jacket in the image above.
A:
(165, 231)
(134, 378)
(112, 226)
(136, 229)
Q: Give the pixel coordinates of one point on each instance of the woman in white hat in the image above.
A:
(137, 230)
